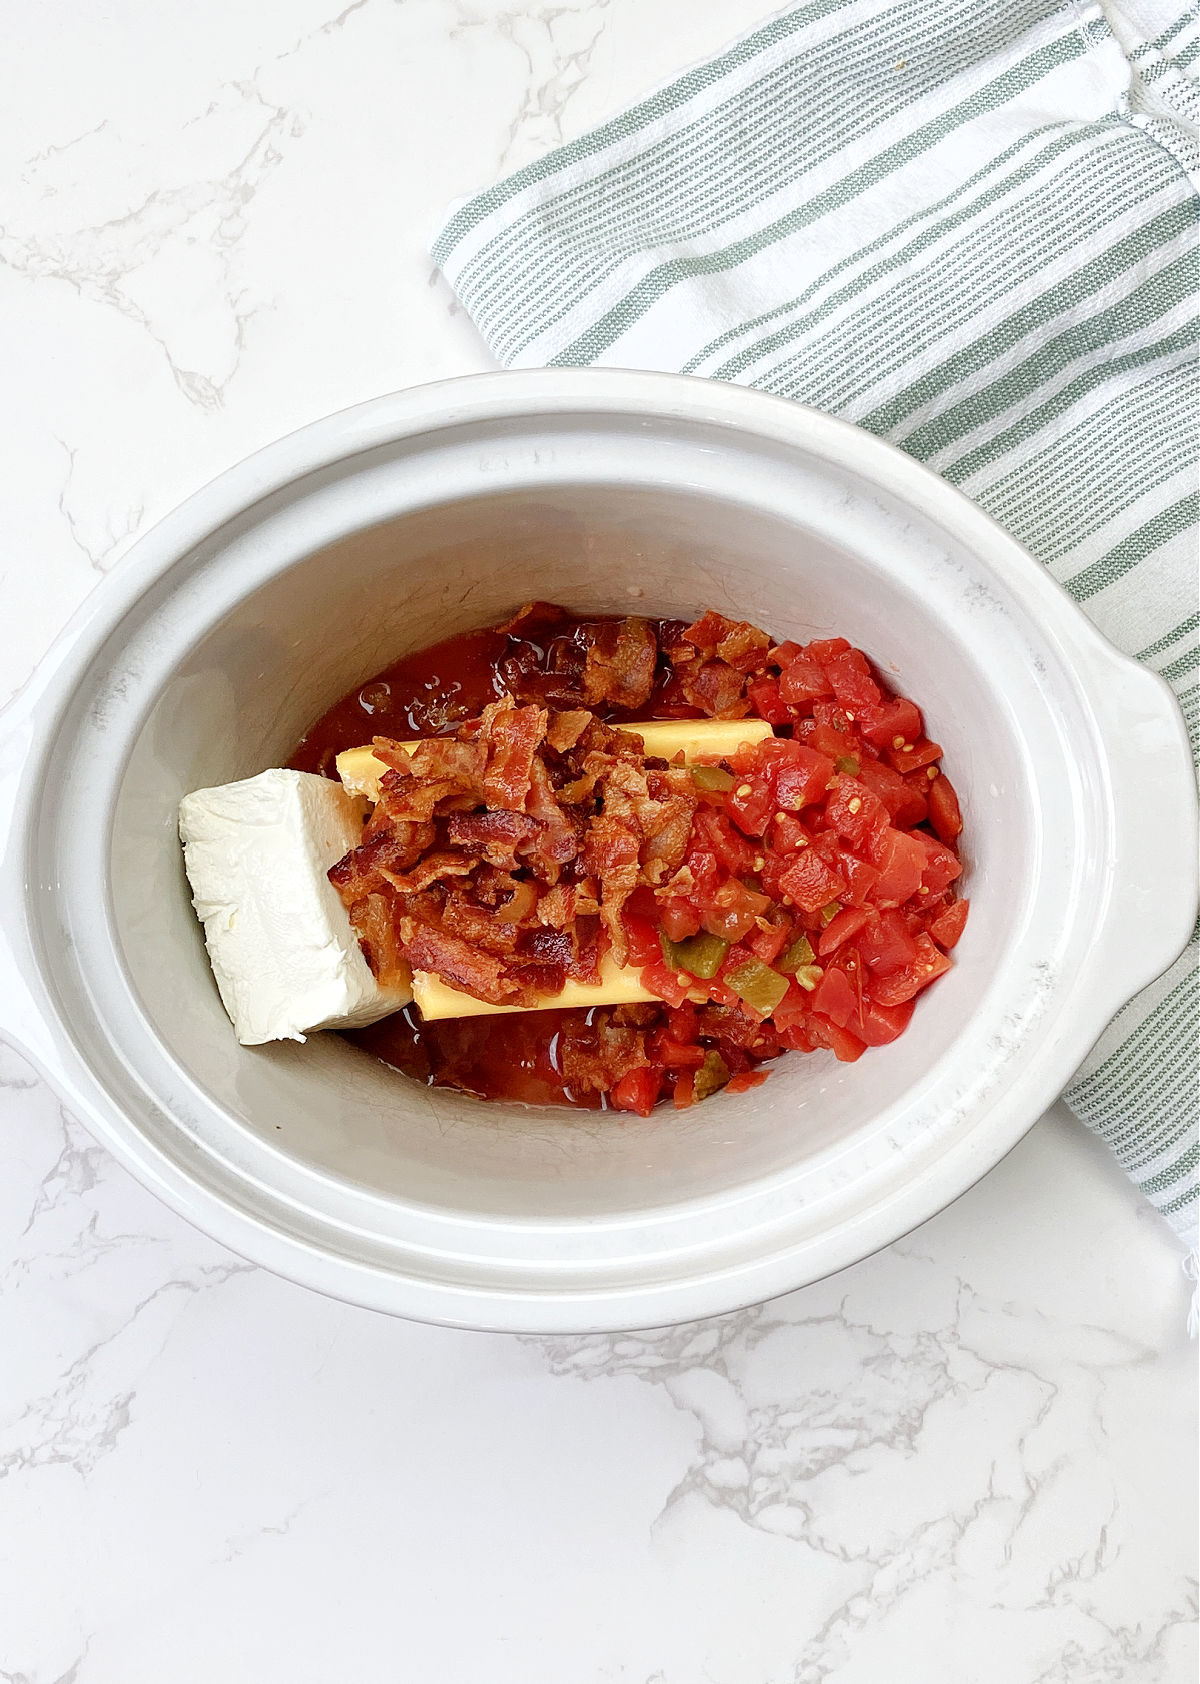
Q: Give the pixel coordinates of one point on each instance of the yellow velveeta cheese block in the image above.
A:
(699, 741)
(618, 986)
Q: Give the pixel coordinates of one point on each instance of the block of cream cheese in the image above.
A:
(282, 947)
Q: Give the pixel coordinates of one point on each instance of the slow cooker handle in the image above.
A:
(22, 1023)
(1156, 857)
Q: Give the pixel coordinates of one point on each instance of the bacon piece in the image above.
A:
(619, 669)
(744, 647)
(589, 947)
(431, 869)
(736, 642)
(717, 690)
(565, 729)
(393, 754)
(460, 965)
(535, 617)
(372, 920)
(494, 837)
(447, 757)
(611, 854)
(660, 805)
(595, 1062)
(439, 770)
(734, 1025)
(637, 1015)
(587, 898)
(363, 870)
(557, 839)
(477, 925)
(556, 908)
(511, 736)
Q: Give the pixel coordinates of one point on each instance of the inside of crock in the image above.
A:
(287, 650)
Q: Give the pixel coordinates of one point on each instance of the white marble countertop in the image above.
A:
(968, 1460)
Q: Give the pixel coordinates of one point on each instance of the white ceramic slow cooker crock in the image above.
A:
(271, 592)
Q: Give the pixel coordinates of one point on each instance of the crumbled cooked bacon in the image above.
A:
(432, 869)
(372, 916)
(745, 647)
(398, 849)
(556, 908)
(533, 617)
(595, 1063)
(611, 855)
(565, 729)
(494, 836)
(717, 690)
(736, 642)
(495, 878)
(501, 857)
(619, 669)
(438, 770)
(510, 736)
(461, 965)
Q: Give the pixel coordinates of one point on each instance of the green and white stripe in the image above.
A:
(972, 229)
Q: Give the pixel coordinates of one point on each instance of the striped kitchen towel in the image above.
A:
(971, 228)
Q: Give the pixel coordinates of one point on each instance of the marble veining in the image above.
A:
(969, 1460)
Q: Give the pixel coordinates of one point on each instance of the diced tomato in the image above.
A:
(684, 1023)
(784, 652)
(768, 944)
(912, 755)
(902, 985)
(637, 1091)
(901, 860)
(750, 803)
(788, 834)
(803, 680)
(940, 866)
(827, 845)
(810, 882)
(836, 997)
(824, 738)
(671, 986)
(644, 946)
(798, 1036)
(665, 1050)
(744, 1080)
(822, 648)
(877, 1024)
(945, 814)
(767, 702)
(885, 944)
(643, 903)
(712, 831)
(706, 873)
(948, 926)
(771, 875)
(856, 813)
(841, 1042)
(861, 878)
(905, 805)
(851, 679)
(731, 912)
(833, 715)
(792, 1009)
(679, 919)
(897, 717)
(847, 923)
(799, 774)
(683, 1093)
